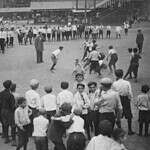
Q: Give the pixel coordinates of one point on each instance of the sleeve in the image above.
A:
(91, 145)
(38, 100)
(119, 105)
(58, 100)
(17, 118)
(130, 92)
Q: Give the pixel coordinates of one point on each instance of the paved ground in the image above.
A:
(18, 64)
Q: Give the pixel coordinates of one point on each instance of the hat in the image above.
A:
(7, 84)
(106, 81)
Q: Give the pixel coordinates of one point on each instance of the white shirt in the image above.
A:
(94, 56)
(110, 101)
(22, 116)
(123, 87)
(56, 52)
(112, 51)
(77, 125)
(48, 102)
(101, 142)
(118, 29)
(3, 35)
(108, 28)
(49, 30)
(35, 31)
(64, 96)
(82, 101)
(40, 124)
(33, 98)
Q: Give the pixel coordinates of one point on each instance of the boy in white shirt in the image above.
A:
(40, 124)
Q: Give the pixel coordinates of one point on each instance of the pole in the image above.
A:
(85, 12)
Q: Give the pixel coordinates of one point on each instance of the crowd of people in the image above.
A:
(89, 109)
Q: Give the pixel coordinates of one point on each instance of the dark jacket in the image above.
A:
(57, 129)
(139, 38)
(39, 46)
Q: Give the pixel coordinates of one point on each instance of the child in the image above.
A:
(79, 78)
(22, 122)
(76, 141)
(78, 68)
(40, 124)
(134, 64)
(119, 136)
(113, 58)
(58, 128)
(49, 102)
(143, 104)
(78, 122)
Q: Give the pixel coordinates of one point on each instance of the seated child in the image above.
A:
(78, 68)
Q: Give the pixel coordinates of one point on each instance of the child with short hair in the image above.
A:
(40, 125)
(119, 135)
(22, 122)
(143, 104)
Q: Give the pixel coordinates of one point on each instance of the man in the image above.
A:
(93, 112)
(65, 95)
(54, 56)
(7, 102)
(124, 89)
(109, 103)
(140, 40)
(2, 40)
(39, 46)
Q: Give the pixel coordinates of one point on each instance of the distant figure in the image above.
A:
(39, 47)
(140, 40)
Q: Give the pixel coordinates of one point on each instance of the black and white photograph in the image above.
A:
(74, 75)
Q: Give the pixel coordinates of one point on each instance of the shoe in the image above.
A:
(6, 140)
(131, 133)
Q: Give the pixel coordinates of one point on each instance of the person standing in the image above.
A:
(93, 112)
(65, 96)
(2, 40)
(49, 102)
(124, 89)
(112, 53)
(7, 111)
(109, 104)
(140, 40)
(40, 124)
(39, 46)
(108, 31)
(33, 100)
(81, 100)
(54, 57)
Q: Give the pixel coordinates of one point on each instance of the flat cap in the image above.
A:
(106, 81)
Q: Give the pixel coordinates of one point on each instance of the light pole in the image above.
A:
(85, 12)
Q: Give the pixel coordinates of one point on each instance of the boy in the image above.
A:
(143, 104)
(49, 102)
(58, 128)
(54, 56)
(22, 122)
(40, 124)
